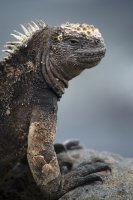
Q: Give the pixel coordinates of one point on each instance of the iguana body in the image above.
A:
(32, 80)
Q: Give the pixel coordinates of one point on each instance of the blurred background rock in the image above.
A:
(98, 106)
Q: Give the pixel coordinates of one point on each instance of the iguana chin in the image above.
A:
(33, 77)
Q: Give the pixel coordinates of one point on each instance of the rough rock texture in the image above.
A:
(118, 185)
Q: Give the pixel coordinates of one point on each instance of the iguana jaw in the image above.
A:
(91, 59)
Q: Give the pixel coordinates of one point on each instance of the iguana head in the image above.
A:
(72, 48)
(61, 52)
(77, 45)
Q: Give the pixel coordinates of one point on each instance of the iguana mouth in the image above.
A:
(93, 57)
(93, 54)
(91, 60)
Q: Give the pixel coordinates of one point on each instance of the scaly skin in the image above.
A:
(32, 80)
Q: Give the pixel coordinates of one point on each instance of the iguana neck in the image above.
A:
(55, 78)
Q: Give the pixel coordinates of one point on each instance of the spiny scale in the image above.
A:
(29, 29)
(7, 51)
(9, 46)
(17, 36)
(20, 34)
(25, 30)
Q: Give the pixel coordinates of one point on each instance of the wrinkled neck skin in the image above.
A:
(56, 80)
(57, 74)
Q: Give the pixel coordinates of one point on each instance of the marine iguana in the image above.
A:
(33, 77)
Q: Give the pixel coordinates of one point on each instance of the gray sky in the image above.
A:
(97, 107)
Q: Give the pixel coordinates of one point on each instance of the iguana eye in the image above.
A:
(73, 42)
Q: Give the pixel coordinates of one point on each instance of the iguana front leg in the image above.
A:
(42, 157)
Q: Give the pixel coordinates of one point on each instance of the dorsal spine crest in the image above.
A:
(29, 30)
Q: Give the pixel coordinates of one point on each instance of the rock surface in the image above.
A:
(118, 185)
